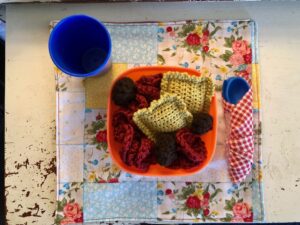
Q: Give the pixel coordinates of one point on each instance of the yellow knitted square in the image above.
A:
(196, 92)
(167, 114)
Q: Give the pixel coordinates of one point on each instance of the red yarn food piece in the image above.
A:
(182, 162)
(120, 132)
(149, 86)
(152, 157)
(130, 146)
(137, 150)
(122, 120)
(150, 92)
(122, 116)
(191, 145)
(144, 153)
(151, 80)
(129, 152)
(139, 103)
(136, 153)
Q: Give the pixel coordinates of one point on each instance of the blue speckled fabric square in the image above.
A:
(126, 200)
(134, 43)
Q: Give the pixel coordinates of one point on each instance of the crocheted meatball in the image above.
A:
(202, 123)
(124, 91)
(165, 150)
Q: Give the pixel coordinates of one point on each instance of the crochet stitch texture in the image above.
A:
(196, 92)
(167, 114)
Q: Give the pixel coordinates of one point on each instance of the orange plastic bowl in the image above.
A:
(156, 170)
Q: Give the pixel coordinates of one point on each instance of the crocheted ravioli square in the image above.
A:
(196, 92)
(167, 114)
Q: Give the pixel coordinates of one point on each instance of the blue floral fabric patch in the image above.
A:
(126, 200)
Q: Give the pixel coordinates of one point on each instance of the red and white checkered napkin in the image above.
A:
(240, 141)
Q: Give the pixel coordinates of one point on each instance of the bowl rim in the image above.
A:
(162, 69)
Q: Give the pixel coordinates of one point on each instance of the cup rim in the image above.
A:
(89, 74)
(231, 81)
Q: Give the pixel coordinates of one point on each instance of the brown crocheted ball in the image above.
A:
(166, 150)
(202, 123)
(124, 92)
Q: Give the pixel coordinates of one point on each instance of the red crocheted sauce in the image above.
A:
(149, 86)
(139, 151)
(191, 145)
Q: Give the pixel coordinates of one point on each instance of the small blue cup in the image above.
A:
(234, 89)
(80, 46)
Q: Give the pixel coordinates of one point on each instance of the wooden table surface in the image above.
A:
(30, 97)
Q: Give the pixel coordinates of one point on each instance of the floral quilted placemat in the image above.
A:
(92, 189)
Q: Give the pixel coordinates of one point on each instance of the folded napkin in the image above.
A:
(240, 141)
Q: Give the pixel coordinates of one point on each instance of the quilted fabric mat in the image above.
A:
(91, 189)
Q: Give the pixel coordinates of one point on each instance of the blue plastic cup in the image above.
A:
(80, 46)
(234, 89)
